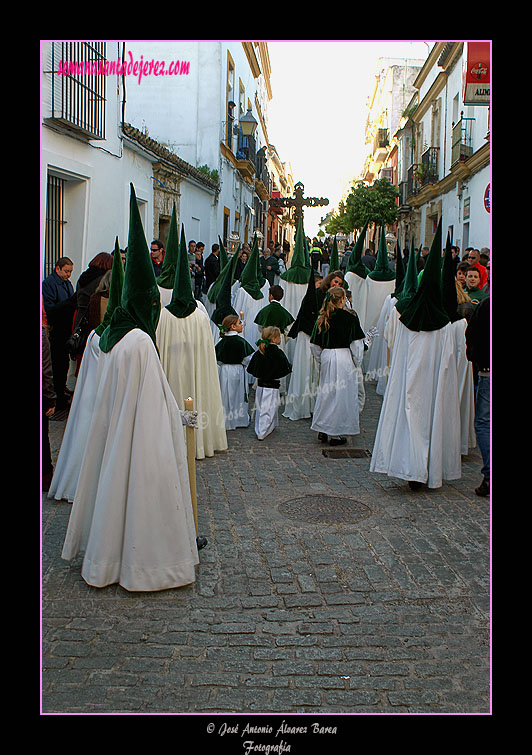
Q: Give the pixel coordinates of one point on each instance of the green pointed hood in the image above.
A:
(448, 281)
(222, 256)
(223, 299)
(140, 305)
(399, 273)
(334, 262)
(182, 303)
(249, 280)
(382, 270)
(298, 271)
(425, 311)
(166, 277)
(355, 264)
(214, 288)
(410, 281)
(115, 289)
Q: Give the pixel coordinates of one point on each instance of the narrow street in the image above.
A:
(324, 589)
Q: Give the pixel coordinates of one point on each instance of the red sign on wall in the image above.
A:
(476, 73)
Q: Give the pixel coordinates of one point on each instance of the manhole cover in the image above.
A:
(324, 509)
(346, 453)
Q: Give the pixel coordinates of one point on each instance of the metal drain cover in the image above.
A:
(324, 509)
(346, 453)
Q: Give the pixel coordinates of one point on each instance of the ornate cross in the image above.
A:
(298, 202)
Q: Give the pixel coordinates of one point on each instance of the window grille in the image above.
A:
(79, 86)
(55, 223)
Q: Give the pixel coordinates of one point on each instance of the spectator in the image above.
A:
(212, 266)
(86, 286)
(478, 352)
(197, 268)
(48, 407)
(59, 303)
(369, 259)
(473, 288)
(157, 256)
(269, 265)
(241, 263)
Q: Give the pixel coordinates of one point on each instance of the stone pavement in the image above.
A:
(374, 603)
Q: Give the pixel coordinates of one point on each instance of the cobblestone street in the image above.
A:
(378, 604)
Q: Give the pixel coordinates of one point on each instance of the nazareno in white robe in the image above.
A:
(359, 296)
(303, 386)
(466, 388)
(294, 294)
(377, 368)
(418, 436)
(234, 391)
(66, 472)
(188, 358)
(132, 513)
(338, 403)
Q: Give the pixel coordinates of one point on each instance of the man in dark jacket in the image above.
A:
(212, 266)
(59, 301)
(478, 352)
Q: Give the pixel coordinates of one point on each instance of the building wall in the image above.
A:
(97, 176)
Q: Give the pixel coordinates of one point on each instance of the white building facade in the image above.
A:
(197, 114)
(442, 156)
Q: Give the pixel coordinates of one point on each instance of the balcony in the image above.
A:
(246, 155)
(462, 148)
(381, 143)
(429, 166)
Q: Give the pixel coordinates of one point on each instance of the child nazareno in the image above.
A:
(233, 354)
(268, 364)
(337, 344)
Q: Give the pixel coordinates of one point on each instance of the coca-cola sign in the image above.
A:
(476, 73)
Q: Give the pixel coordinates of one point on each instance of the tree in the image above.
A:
(339, 222)
(376, 204)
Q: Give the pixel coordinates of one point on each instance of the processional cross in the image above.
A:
(298, 202)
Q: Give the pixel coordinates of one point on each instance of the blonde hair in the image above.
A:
(268, 334)
(333, 301)
(227, 322)
(461, 295)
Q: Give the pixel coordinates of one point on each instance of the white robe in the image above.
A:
(359, 296)
(234, 391)
(418, 436)
(244, 302)
(188, 359)
(291, 301)
(132, 513)
(378, 353)
(337, 408)
(303, 385)
(76, 433)
(466, 388)
(267, 402)
(377, 291)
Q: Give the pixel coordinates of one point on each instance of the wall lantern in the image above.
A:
(248, 124)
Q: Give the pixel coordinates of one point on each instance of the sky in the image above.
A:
(318, 111)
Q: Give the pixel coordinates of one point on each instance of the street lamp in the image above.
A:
(248, 124)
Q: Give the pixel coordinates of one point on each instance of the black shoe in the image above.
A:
(322, 437)
(484, 488)
(337, 441)
(414, 485)
(201, 542)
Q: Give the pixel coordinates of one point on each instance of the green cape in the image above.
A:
(448, 282)
(182, 303)
(399, 273)
(299, 264)
(409, 283)
(249, 279)
(232, 349)
(355, 264)
(140, 305)
(115, 289)
(425, 310)
(344, 328)
(308, 310)
(166, 277)
(223, 298)
(274, 314)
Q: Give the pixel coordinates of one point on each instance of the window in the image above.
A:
(230, 116)
(54, 241)
(79, 87)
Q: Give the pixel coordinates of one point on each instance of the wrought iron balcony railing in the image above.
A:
(462, 148)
